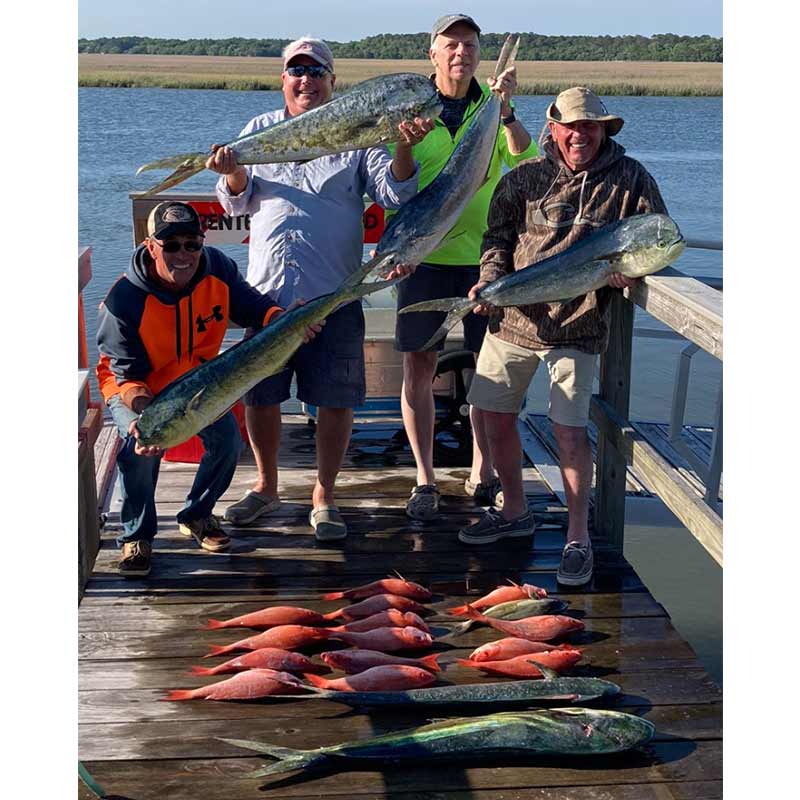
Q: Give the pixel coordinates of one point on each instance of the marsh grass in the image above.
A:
(535, 77)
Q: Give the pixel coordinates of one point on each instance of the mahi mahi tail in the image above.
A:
(184, 165)
(289, 759)
(456, 307)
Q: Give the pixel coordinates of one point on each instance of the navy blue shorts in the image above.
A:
(431, 282)
(329, 369)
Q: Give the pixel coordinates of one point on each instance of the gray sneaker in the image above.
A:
(577, 562)
(493, 526)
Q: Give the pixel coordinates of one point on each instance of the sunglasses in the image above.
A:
(314, 71)
(173, 247)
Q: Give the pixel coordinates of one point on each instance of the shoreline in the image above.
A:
(237, 73)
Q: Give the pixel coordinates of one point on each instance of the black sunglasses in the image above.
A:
(314, 70)
(173, 247)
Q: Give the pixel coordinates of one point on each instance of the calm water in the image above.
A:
(679, 140)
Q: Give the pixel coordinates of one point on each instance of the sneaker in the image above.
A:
(207, 533)
(424, 502)
(485, 494)
(577, 562)
(135, 561)
(493, 526)
(251, 507)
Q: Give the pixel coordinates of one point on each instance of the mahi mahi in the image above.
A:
(366, 116)
(514, 610)
(559, 731)
(204, 394)
(636, 246)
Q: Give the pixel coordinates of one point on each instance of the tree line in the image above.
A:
(533, 47)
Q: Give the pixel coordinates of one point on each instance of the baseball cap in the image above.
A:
(313, 48)
(443, 23)
(580, 103)
(172, 218)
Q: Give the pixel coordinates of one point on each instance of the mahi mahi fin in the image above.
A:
(195, 401)
(549, 673)
(289, 759)
(457, 308)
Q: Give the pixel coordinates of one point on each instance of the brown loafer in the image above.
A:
(207, 533)
(135, 561)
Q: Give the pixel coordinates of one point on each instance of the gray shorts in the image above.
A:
(432, 282)
(329, 369)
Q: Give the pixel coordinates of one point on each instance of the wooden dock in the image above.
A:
(139, 638)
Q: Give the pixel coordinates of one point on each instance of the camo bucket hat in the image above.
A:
(580, 103)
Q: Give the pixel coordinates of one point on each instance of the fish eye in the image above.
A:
(662, 244)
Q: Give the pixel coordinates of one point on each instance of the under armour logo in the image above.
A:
(216, 314)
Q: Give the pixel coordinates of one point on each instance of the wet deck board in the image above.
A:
(138, 638)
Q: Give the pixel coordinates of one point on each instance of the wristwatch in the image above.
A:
(509, 119)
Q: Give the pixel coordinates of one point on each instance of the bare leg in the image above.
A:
(506, 450)
(575, 456)
(416, 402)
(482, 470)
(334, 426)
(264, 431)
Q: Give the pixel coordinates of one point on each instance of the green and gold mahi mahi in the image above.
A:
(636, 246)
(558, 731)
(366, 116)
(199, 397)
(514, 610)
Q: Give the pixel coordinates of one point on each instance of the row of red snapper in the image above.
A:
(385, 620)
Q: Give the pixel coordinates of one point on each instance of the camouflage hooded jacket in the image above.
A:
(540, 209)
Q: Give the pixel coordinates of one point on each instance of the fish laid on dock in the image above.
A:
(636, 246)
(374, 605)
(204, 394)
(394, 586)
(249, 685)
(359, 660)
(385, 619)
(423, 223)
(516, 609)
(478, 695)
(270, 618)
(559, 731)
(366, 116)
(264, 658)
(527, 666)
(537, 629)
(511, 647)
(386, 639)
(502, 594)
(384, 678)
(285, 637)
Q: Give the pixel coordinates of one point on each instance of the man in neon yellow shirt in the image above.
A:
(453, 268)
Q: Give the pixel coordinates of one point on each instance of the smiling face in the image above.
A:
(578, 142)
(304, 93)
(455, 54)
(175, 270)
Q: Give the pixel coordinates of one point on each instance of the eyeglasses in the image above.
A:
(172, 246)
(313, 70)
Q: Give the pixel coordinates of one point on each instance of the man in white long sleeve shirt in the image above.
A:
(305, 239)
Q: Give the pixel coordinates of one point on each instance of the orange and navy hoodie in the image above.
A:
(149, 336)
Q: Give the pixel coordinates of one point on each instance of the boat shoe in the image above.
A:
(252, 506)
(135, 561)
(207, 533)
(493, 526)
(486, 493)
(577, 563)
(424, 502)
(327, 523)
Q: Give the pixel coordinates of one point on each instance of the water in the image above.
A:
(679, 140)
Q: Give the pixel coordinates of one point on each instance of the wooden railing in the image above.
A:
(693, 310)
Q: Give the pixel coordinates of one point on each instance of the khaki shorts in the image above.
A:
(504, 372)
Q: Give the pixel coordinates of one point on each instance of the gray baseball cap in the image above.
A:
(443, 23)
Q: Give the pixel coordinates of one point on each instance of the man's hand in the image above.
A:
(505, 85)
(141, 449)
(484, 309)
(222, 160)
(400, 271)
(414, 131)
(616, 280)
(311, 331)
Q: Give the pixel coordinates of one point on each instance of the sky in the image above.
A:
(348, 20)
